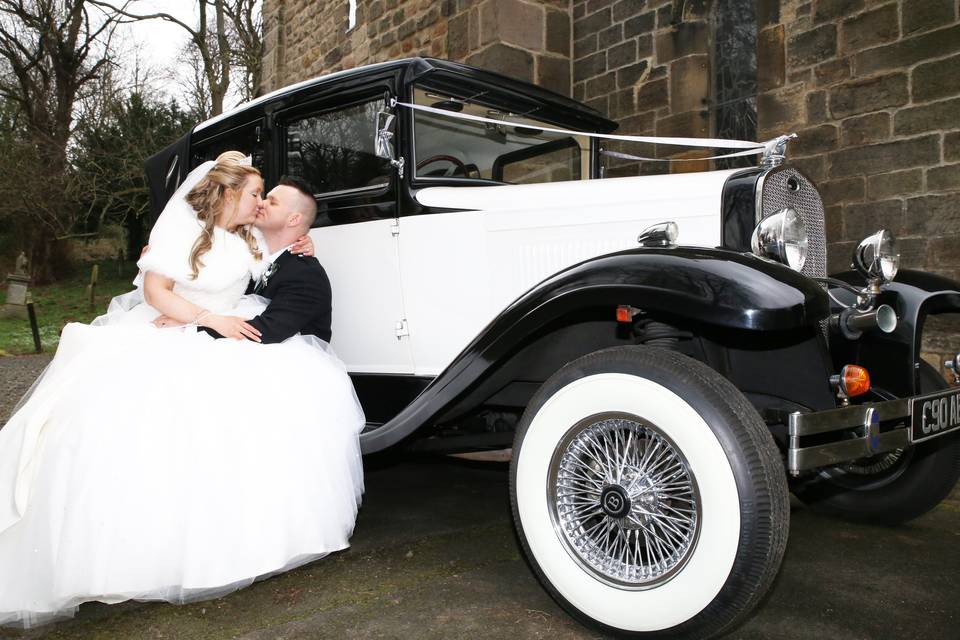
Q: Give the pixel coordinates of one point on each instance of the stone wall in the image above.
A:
(527, 39)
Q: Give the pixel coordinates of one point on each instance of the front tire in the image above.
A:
(648, 495)
(896, 487)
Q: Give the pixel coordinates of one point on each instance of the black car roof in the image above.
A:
(539, 102)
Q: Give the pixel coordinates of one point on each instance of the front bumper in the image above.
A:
(835, 436)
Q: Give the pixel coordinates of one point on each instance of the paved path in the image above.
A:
(17, 373)
(434, 556)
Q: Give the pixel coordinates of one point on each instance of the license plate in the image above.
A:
(934, 415)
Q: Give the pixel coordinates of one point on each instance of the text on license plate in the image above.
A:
(934, 415)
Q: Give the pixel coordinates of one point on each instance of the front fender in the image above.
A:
(892, 358)
(708, 286)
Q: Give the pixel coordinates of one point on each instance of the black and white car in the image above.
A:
(665, 354)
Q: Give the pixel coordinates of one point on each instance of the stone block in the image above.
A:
(811, 47)
(771, 60)
(828, 10)
(870, 28)
(585, 46)
(887, 156)
(600, 105)
(625, 9)
(897, 183)
(684, 39)
(908, 51)
(601, 85)
(645, 46)
(610, 36)
(558, 32)
(653, 95)
(630, 76)
(644, 23)
(863, 96)
(860, 220)
(512, 22)
(505, 59)
(592, 65)
(580, 91)
(951, 146)
(945, 251)
(814, 167)
(665, 18)
(845, 191)
(579, 10)
(554, 73)
(934, 215)
(861, 130)
(689, 83)
(833, 223)
(832, 72)
(621, 104)
(407, 29)
(945, 178)
(816, 107)
(781, 109)
(458, 33)
(936, 115)
(622, 54)
(595, 5)
(838, 256)
(935, 80)
(592, 23)
(927, 14)
(815, 140)
(689, 124)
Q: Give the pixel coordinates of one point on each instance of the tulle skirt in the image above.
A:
(161, 464)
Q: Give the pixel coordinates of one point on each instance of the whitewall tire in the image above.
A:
(648, 494)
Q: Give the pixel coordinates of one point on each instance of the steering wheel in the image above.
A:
(457, 163)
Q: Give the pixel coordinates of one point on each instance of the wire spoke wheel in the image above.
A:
(624, 500)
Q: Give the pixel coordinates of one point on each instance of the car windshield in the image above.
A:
(450, 148)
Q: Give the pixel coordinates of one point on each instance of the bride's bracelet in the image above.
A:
(200, 316)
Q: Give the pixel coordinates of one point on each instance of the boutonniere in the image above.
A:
(265, 277)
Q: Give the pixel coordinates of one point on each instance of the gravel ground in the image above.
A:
(17, 373)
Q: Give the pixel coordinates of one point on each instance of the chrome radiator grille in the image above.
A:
(787, 187)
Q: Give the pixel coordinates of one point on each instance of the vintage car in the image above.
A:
(665, 354)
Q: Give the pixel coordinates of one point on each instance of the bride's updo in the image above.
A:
(208, 197)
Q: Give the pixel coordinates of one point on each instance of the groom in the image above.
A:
(297, 286)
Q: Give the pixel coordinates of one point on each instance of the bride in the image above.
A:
(163, 464)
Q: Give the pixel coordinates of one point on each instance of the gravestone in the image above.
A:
(18, 290)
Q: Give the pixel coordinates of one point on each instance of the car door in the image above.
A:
(330, 145)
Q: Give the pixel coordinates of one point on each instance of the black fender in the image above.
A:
(713, 287)
(893, 359)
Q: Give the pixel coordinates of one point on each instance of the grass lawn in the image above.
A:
(63, 302)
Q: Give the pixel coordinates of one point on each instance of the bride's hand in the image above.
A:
(303, 246)
(231, 327)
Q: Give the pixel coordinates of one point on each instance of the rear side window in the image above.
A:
(335, 151)
(245, 139)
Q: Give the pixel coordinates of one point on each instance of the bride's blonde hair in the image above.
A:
(208, 197)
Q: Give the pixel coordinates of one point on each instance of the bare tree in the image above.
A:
(228, 35)
(51, 51)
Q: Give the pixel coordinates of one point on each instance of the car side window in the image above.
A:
(245, 139)
(334, 150)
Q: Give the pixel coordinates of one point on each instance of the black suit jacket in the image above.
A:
(300, 301)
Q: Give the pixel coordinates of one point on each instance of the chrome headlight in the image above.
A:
(781, 237)
(877, 257)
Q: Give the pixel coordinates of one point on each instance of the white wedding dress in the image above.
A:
(162, 464)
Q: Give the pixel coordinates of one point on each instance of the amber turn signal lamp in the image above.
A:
(854, 380)
(624, 314)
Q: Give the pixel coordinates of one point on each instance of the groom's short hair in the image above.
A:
(308, 201)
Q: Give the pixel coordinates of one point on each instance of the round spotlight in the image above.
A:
(877, 256)
(781, 237)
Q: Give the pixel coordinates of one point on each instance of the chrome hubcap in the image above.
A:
(624, 501)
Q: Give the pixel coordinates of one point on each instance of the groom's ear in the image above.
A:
(295, 219)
